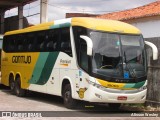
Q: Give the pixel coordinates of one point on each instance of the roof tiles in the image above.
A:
(152, 9)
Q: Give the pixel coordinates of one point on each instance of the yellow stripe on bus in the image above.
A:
(111, 84)
(114, 85)
(64, 65)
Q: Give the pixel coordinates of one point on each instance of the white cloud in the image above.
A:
(93, 6)
(11, 12)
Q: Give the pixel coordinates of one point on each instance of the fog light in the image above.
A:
(99, 96)
(143, 97)
(143, 88)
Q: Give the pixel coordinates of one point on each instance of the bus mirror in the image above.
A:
(89, 44)
(154, 49)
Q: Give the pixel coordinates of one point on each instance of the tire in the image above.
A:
(12, 85)
(114, 106)
(18, 90)
(69, 102)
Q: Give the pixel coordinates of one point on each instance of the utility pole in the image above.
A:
(44, 11)
(20, 16)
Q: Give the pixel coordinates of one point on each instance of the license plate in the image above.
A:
(121, 98)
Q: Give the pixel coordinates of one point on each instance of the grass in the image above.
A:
(141, 107)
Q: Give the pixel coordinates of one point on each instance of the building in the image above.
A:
(146, 18)
(69, 15)
(19, 22)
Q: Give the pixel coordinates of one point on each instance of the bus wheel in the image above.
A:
(12, 85)
(69, 102)
(18, 90)
(114, 106)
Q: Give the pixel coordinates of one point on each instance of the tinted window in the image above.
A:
(52, 42)
(41, 41)
(65, 44)
(81, 47)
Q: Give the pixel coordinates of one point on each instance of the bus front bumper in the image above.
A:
(93, 94)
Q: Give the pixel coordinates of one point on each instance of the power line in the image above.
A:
(16, 12)
(83, 10)
(31, 7)
(78, 2)
(64, 8)
(32, 15)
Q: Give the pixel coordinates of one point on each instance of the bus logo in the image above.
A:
(81, 92)
(21, 59)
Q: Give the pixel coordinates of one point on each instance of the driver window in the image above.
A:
(83, 55)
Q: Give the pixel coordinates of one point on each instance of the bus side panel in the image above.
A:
(18, 63)
(77, 78)
(42, 71)
(67, 67)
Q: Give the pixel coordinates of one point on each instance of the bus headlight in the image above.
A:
(96, 85)
(142, 88)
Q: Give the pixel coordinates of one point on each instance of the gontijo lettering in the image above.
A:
(21, 59)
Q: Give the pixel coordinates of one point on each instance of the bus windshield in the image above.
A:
(117, 55)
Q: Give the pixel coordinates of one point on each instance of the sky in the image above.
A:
(58, 8)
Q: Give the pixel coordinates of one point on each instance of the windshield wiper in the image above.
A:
(129, 67)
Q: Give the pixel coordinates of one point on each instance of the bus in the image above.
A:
(80, 58)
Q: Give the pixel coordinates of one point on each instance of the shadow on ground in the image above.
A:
(92, 108)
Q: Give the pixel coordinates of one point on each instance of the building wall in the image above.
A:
(12, 23)
(153, 94)
(69, 15)
(149, 26)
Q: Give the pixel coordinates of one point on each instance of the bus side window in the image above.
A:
(81, 47)
(25, 43)
(12, 44)
(30, 41)
(52, 44)
(20, 41)
(65, 41)
(40, 46)
(6, 44)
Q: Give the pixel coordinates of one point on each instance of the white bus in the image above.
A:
(86, 59)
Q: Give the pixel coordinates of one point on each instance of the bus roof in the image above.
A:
(91, 23)
(105, 25)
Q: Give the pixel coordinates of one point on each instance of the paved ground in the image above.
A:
(38, 103)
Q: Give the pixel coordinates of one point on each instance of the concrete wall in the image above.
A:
(153, 94)
(12, 23)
